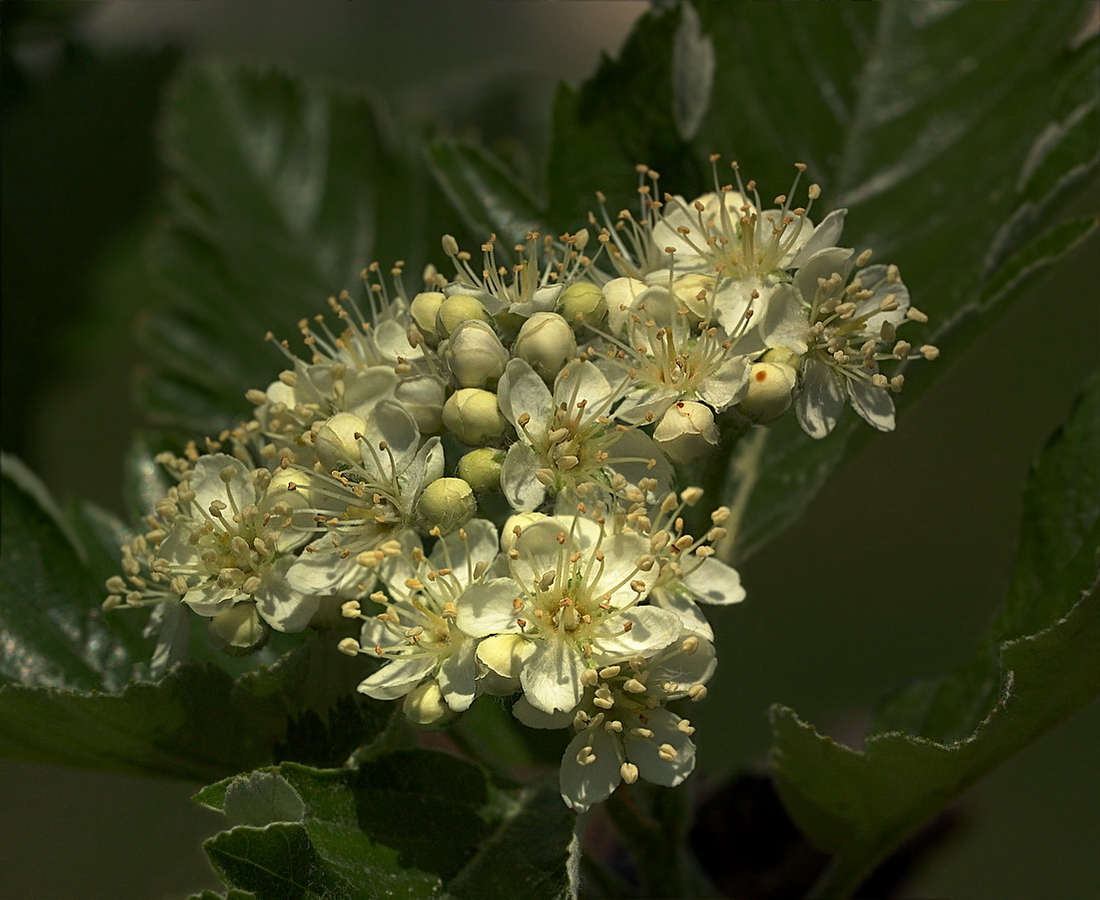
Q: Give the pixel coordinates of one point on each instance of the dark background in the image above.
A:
(931, 511)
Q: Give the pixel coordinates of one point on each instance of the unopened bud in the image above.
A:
(425, 707)
(424, 310)
(686, 431)
(769, 391)
(481, 469)
(473, 416)
(445, 504)
(475, 355)
(582, 303)
(545, 342)
(239, 630)
(457, 309)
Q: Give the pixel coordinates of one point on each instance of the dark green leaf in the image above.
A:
(1037, 665)
(198, 722)
(284, 193)
(408, 824)
(51, 585)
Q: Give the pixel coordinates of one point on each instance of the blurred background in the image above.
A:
(829, 627)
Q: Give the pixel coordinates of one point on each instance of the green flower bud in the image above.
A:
(769, 393)
(475, 355)
(582, 302)
(545, 342)
(686, 431)
(457, 309)
(239, 630)
(445, 504)
(337, 445)
(425, 707)
(423, 396)
(473, 416)
(481, 469)
(424, 310)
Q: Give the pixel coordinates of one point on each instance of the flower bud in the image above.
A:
(445, 504)
(475, 355)
(336, 445)
(582, 302)
(481, 469)
(545, 342)
(424, 310)
(423, 397)
(500, 658)
(457, 309)
(425, 707)
(769, 391)
(473, 416)
(686, 431)
(239, 630)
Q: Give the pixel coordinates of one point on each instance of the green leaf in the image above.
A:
(51, 587)
(1037, 665)
(198, 721)
(284, 192)
(954, 133)
(409, 824)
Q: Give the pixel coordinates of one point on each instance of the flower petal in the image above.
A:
(551, 676)
(486, 608)
(645, 752)
(521, 391)
(874, 404)
(651, 629)
(714, 582)
(583, 786)
(518, 480)
(820, 401)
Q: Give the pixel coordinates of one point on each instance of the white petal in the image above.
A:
(521, 391)
(363, 388)
(652, 629)
(583, 381)
(784, 323)
(686, 669)
(521, 487)
(551, 676)
(874, 277)
(620, 294)
(462, 556)
(619, 569)
(282, 607)
(206, 481)
(714, 582)
(457, 675)
(486, 608)
(822, 264)
(820, 400)
(874, 404)
(691, 617)
(397, 678)
(583, 786)
(825, 235)
(536, 718)
(644, 752)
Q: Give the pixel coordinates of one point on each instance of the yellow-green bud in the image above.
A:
(424, 310)
(769, 391)
(239, 630)
(481, 469)
(473, 416)
(545, 342)
(445, 504)
(336, 445)
(475, 355)
(457, 309)
(423, 397)
(582, 302)
(425, 707)
(686, 431)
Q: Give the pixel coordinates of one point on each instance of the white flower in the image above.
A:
(363, 503)
(232, 543)
(567, 439)
(842, 319)
(668, 354)
(417, 632)
(572, 592)
(623, 730)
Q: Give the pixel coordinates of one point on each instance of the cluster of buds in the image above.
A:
(572, 383)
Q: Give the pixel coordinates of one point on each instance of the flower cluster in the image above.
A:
(570, 384)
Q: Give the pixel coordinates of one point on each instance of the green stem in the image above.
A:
(655, 838)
